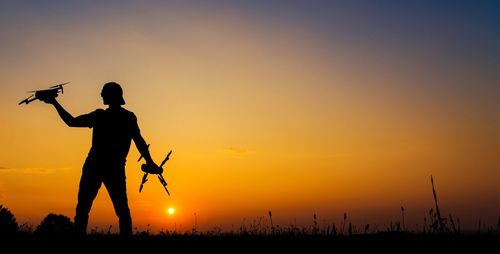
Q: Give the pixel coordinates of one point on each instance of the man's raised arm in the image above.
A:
(65, 115)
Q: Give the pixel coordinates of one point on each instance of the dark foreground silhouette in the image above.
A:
(54, 235)
(113, 131)
(383, 242)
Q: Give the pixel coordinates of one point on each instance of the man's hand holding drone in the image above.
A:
(48, 99)
(151, 168)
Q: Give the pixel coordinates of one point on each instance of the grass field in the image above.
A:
(383, 242)
(438, 234)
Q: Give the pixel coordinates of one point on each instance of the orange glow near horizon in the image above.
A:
(260, 116)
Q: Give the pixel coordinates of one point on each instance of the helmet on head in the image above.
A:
(112, 93)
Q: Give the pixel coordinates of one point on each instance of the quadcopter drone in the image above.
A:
(147, 170)
(52, 92)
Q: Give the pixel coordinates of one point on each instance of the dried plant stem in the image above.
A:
(438, 213)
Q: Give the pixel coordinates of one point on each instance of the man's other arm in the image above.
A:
(141, 145)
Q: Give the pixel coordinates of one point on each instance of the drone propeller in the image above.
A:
(60, 85)
(56, 86)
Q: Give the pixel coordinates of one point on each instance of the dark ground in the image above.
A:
(233, 243)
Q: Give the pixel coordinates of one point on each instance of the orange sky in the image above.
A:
(261, 114)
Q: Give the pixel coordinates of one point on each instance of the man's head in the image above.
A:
(112, 94)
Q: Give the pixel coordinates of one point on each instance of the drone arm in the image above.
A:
(27, 100)
(30, 100)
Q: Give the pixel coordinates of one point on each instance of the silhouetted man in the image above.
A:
(114, 129)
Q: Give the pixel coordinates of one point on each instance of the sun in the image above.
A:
(170, 211)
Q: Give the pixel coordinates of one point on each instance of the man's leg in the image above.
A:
(117, 190)
(89, 186)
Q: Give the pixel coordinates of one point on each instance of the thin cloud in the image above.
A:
(238, 150)
(30, 170)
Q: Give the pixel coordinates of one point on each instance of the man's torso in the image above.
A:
(113, 130)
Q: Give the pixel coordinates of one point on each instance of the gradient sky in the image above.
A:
(298, 107)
